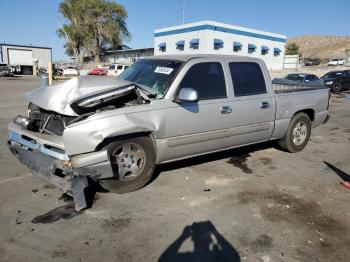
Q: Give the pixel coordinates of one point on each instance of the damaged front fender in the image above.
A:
(86, 136)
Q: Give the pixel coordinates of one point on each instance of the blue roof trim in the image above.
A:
(251, 46)
(220, 29)
(237, 44)
(162, 45)
(265, 48)
(277, 50)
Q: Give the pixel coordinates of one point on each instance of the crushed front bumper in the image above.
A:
(52, 165)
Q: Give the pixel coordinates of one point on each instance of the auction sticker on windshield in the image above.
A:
(163, 70)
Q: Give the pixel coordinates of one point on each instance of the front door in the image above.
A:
(195, 128)
(345, 80)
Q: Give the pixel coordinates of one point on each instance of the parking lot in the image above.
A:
(255, 203)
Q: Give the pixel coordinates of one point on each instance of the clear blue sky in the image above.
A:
(36, 21)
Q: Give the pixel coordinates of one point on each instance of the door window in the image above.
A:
(207, 79)
(247, 78)
(311, 78)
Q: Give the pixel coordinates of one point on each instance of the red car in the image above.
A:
(99, 71)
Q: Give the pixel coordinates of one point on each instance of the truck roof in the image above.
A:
(193, 56)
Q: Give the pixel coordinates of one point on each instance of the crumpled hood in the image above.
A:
(59, 97)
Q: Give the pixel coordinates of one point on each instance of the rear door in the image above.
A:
(253, 104)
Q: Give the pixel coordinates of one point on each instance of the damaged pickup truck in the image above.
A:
(161, 109)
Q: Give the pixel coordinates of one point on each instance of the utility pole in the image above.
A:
(183, 11)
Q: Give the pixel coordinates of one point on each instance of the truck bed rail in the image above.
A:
(287, 86)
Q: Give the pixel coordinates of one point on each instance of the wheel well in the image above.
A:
(108, 140)
(309, 112)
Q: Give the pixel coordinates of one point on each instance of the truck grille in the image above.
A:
(47, 122)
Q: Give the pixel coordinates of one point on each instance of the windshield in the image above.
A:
(156, 74)
(295, 77)
(332, 75)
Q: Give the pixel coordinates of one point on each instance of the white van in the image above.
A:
(116, 69)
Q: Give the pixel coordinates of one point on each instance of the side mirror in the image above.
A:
(187, 95)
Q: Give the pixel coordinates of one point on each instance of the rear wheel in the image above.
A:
(336, 87)
(133, 163)
(297, 135)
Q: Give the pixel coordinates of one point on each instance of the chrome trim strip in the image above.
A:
(207, 136)
(16, 138)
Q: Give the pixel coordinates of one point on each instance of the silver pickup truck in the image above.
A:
(161, 109)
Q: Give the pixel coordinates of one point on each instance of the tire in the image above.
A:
(297, 135)
(125, 155)
(336, 88)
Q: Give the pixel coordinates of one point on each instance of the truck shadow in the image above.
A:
(208, 245)
(344, 176)
(237, 158)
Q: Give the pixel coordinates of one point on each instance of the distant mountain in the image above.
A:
(322, 46)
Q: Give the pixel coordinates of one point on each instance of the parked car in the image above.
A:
(5, 70)
(336, 61)
(162, 109)
(116, 69)
(70, 71)
(58, 71)
(304, 78)
(337, 80)
(312, 61)
(98, 71)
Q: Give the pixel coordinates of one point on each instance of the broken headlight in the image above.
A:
(22, 121)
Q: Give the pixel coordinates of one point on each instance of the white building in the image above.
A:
(208, 37)
(127, 55)
(25, 56)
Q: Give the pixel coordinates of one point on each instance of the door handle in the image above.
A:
(264, 105)
(226, 110)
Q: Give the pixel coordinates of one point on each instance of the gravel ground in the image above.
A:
(250, 204)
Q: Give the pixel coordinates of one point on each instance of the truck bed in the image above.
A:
(283, 86)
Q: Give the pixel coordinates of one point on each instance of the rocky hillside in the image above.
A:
(324, 47)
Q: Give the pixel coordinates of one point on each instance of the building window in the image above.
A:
(218, 43)
(162, 47)
(247, 79)
(264, 50)
(237, 46)
(276, 51)
(194, 43)
(251, 48)
(180, 45)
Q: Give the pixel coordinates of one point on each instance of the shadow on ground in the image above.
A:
(208, 245)
(339, 172)
(237, 158)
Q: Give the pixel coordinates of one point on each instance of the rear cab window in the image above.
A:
(207, 79)
(247, 79)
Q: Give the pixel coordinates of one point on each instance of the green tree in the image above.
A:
(92, 27)
(292, 49)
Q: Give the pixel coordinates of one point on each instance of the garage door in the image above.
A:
(20, 57)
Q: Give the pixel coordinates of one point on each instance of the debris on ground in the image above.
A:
(346, 184)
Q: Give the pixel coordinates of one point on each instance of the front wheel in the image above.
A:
(133, 162)
(336, 88)
(297, 135)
